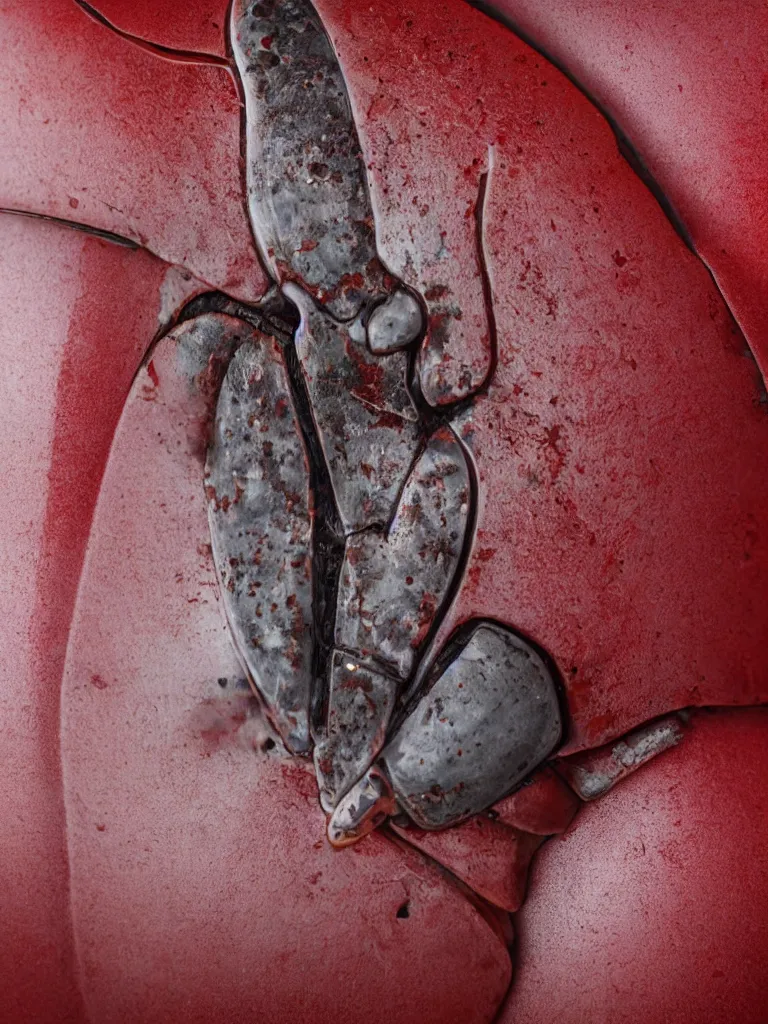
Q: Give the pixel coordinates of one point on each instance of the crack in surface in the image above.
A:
(157, 49)
(625, 145)
(482, 256)
(632, 157)
(75, 225)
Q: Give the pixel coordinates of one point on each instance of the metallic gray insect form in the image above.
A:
(341, 504)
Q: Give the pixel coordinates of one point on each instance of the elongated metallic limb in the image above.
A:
(308, 194)
(307, 189)
(311, 209)
(360, 705)
(394, 586)
(365, 418)
(257, 483)
(592, 773)
(393, 589)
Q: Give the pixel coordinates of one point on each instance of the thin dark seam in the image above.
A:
(107, 236)
(157, 49)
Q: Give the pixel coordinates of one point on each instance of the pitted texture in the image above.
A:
(307, 191)
(257, 483)
(393, 587)
(484, 723)
(360, 703)
(365, 419)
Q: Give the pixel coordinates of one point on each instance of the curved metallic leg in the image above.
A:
(257, 482)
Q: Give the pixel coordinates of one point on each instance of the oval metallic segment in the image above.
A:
(393, 587)
(488, 719)
(365, 419)
(307, 190)
(257, 483)
(360, 704)
(394, 324)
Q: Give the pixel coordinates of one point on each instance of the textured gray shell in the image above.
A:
(257, 482)
(483, 725)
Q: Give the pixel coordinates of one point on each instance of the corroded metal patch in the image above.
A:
(257, 484)
(485, 722)
(364, 415)
(393, 587)
(360, 704)
(592, 773)
(307, 189)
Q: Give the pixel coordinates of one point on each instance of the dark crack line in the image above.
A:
(328, 544)
(485, 277)
(434, 417)
(107, 236)
(156, 49)
(626, 148)
(115, 239)
(272, 315)
(636, 163)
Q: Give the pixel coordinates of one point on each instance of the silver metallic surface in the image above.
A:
(393, 587)
(257, 484)
(307, 189)
(204, 347)
(364, 415)
(367, 805)
(594, 772)
(395, 323)
(360, 704)
(486, 721)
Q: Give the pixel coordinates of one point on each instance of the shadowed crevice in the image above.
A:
(107, 236)
(156, 49)
(626, 148)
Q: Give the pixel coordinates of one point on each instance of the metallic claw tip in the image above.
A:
(366, 806)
